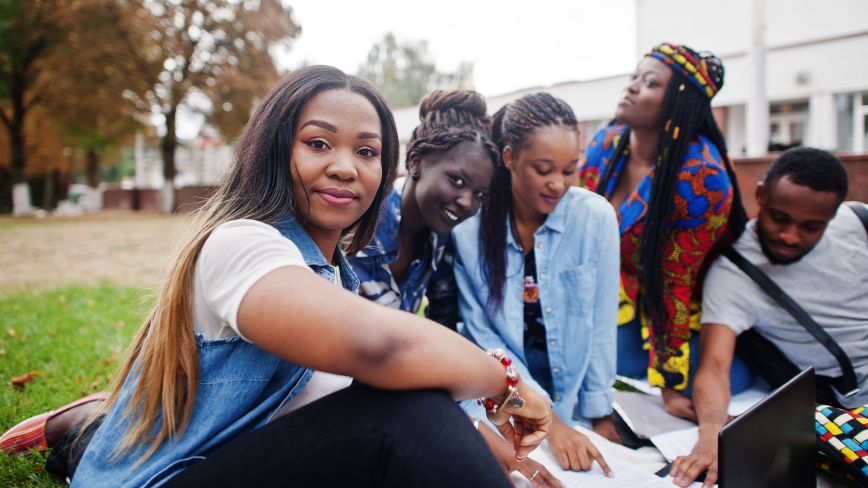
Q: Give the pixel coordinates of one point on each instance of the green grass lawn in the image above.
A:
(74, 337)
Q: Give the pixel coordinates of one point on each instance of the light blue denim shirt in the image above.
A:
(240, 388)
(577, 265)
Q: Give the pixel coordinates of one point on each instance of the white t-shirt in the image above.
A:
(234, 257)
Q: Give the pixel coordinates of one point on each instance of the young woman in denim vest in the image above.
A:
(246, 323)
(538, 272)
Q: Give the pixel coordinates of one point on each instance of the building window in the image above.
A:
(852, 117)
(845, 121)
(788, 124)
(860, 132)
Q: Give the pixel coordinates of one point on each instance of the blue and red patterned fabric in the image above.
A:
(702, 203)
(843, 436)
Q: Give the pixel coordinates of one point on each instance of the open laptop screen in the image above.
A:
(773, 443)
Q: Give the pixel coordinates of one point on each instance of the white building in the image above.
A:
(796, 71)
(200, 162)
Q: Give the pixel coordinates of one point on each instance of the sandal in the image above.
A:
(30, 434)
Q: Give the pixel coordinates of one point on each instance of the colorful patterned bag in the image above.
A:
(842, 436)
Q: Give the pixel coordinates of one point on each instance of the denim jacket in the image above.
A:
(577, 264)
(240, 388)
(372, 263)
(428, 276)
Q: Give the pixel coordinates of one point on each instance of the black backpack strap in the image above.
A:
(860, 211)
(799, 313)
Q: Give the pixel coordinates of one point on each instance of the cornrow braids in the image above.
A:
(449, 118)
(511, 126)
(686, 114)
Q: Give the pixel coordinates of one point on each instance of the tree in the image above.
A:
(29, 30)
(46, 153)
(89, 73)
(200, 47)
(404, 72)
(65, 63)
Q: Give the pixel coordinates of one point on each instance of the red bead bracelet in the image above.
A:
(493, 405)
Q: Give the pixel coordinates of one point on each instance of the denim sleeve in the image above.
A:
(595, 394)
(479, 327)
(442, 292)
(375, 282)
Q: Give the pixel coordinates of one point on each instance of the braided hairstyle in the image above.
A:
(511, 126)
(686, 114)
(449, 118)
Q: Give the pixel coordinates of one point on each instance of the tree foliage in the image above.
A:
(217, 48)
(404, 72)
(89, 74)
(95, 69)
(64, 69)
(29, 30)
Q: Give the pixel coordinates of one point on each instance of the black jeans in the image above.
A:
(360, 436)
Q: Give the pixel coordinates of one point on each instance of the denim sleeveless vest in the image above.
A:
(240, 388)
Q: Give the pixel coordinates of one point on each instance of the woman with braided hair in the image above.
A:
(537, 275)
(450, 161)
(663, 165)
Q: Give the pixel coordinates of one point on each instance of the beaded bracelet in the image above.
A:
(495, 404)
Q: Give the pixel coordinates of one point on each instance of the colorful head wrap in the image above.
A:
(704, 70)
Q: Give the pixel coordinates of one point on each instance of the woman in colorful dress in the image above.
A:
(663, 165)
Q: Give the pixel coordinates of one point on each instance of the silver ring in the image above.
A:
(534, 475)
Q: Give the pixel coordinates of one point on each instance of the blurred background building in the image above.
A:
(796, 74)
(199, 162)
(796, 71)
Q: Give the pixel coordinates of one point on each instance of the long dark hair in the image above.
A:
(511, 126)
(262, 171)
(686, 114)
(448, 118)
(259, 187)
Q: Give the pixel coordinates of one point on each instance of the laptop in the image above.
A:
(773, 443)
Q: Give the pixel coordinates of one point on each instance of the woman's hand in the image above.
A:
(531, 423)
(535, 472)
(573, 450)
(505, 456)
(605, 426)
(677, 403)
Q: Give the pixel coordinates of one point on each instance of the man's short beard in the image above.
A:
(776, 260)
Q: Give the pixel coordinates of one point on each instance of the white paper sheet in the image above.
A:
(676, 443)
(645, 414)
(625, 473)
(632, 468)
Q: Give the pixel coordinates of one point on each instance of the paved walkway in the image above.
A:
(121, 247)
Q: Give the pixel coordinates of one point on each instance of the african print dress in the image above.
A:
(703, 199)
